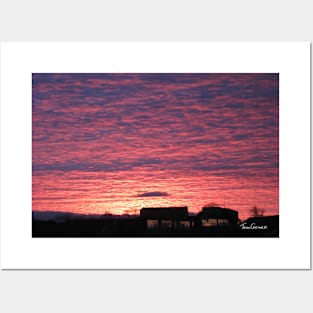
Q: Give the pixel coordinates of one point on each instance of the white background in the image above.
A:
(182, 291)
(289, 251)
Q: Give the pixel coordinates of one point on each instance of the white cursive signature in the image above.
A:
(253, 226)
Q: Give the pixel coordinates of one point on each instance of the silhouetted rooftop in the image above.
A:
(218, 212)
(164, 212)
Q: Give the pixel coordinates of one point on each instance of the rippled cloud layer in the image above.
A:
(102, 140)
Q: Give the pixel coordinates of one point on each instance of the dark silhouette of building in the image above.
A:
(216, 216)
(166, 218)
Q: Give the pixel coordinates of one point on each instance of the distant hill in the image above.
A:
(64, 216)
(54, 216)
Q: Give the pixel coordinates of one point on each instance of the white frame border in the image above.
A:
(290, 251)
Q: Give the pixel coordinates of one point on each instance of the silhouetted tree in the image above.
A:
(256, 212)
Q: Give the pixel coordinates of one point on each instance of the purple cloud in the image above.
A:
(153, 194)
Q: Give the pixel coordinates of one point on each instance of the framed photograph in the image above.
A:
(155, 155)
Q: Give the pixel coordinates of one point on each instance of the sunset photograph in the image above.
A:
(155, 155)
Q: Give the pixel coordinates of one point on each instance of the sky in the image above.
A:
(114, 143)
